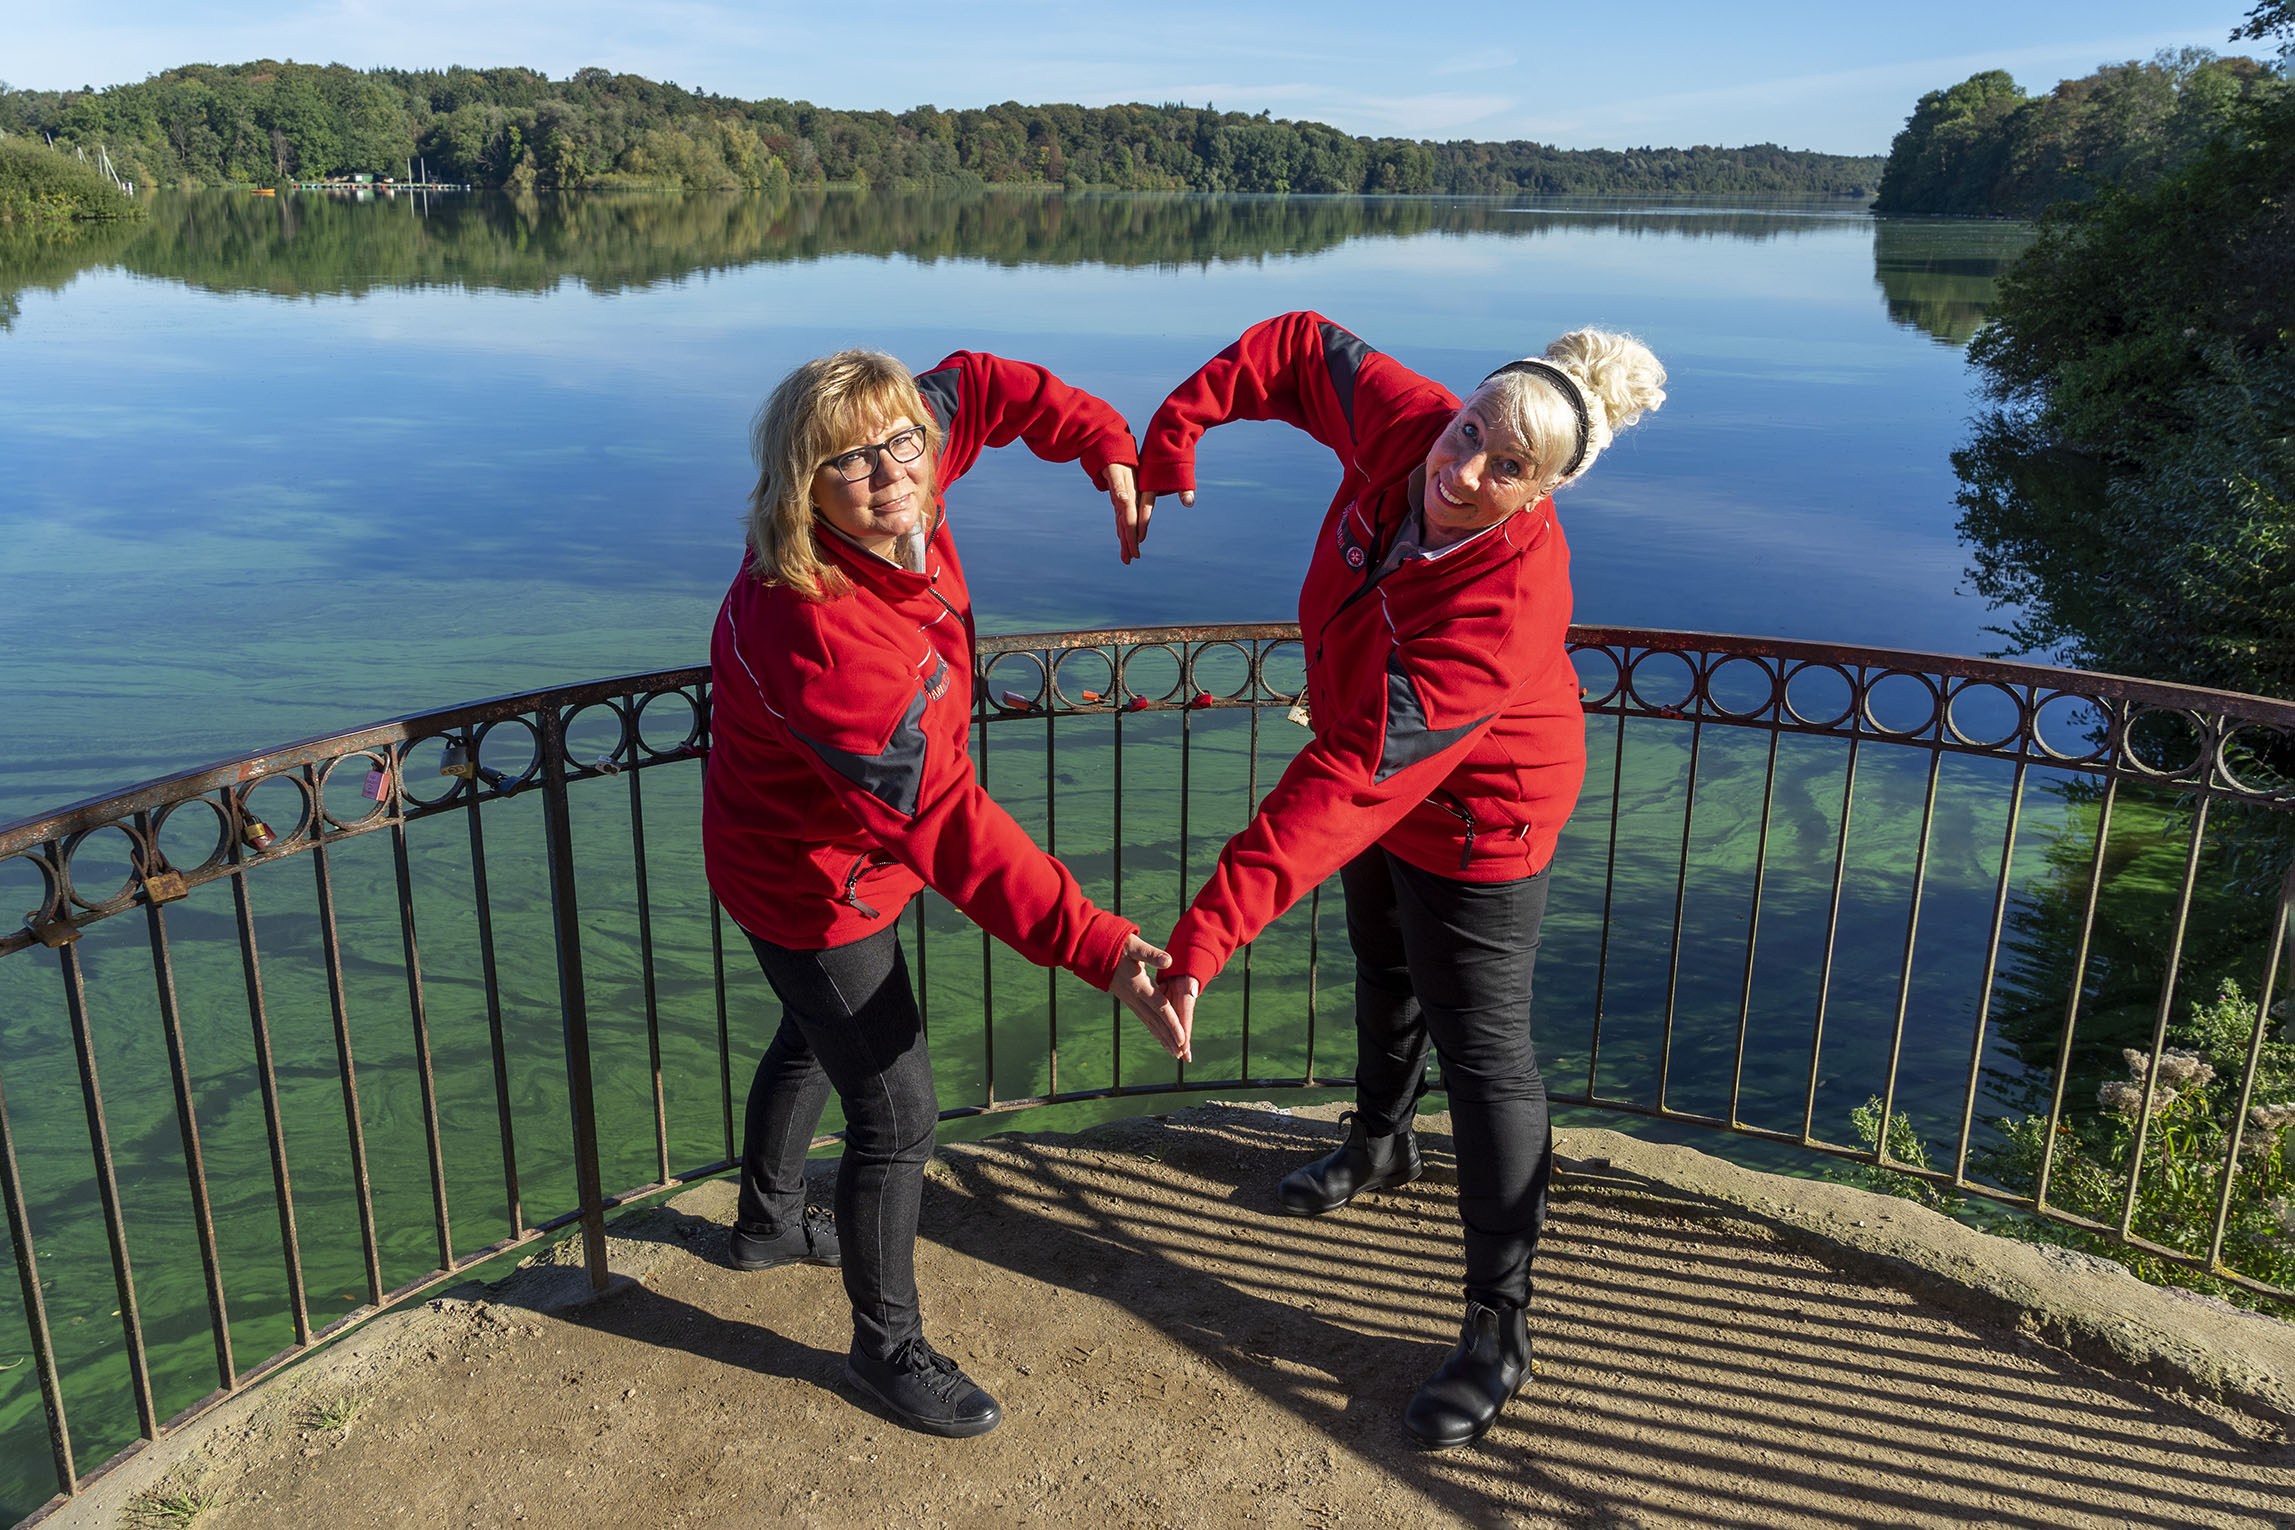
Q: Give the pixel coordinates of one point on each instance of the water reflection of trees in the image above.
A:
(305, 245)
(1940, 275)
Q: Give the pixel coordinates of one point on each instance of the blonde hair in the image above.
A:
(822, 408)
(1617, 378)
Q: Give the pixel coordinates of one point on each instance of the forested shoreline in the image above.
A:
(270, 122)
(1985, 148)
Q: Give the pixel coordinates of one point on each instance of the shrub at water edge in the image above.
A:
(39, 182)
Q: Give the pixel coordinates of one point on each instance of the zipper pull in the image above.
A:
(852, 895)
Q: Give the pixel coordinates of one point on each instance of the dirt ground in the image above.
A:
(1171, 1352)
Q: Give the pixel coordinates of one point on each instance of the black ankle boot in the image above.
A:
(1363, 1163)
(1461, 1401)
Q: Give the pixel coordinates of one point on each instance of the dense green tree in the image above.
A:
(1985, 148)
(517, 128)
(306, 134)
(41, 184)
(2133, 494)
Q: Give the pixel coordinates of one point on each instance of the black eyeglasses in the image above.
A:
(861, 462)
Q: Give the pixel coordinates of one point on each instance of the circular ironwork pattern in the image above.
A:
(2154, 732)
(662, 719)
(2239, 748)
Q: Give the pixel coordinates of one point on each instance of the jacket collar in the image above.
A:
(881, 576)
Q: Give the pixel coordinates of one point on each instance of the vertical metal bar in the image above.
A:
(1051, 848)
(1904, 970)
(36, 1309)
(1991, 971)
(1609, 888)
(267, 1082)
(573, 995)
(2247, 1075)
(420, 1015)
(987, 950)
(1186, 756)
(1753, 930)
(1116, 834)
(2160, 1020)
(187, 1130)
(2072, 1002)
(1314, 970)
(483, 901)
(645, 970)
(107, 1186)
(1832, 929)
(1250, 807)
(330, 940)
(1680, 902)
(725, 1023)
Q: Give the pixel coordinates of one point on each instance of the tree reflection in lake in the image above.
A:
(315, 245)
(1940, 275)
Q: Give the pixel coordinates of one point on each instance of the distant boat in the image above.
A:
(263, 191)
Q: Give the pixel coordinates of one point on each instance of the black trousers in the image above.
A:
(1448, 963)
(849, 1022)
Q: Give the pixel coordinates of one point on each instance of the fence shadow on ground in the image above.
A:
(1689, 1373)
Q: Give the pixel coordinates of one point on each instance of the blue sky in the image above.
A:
(1837, 77)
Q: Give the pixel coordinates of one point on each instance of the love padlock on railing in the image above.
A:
(257, 834)
(457, 762)
(164, 886)
(51, 933)
(377, 787)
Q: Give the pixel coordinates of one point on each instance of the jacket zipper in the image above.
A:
(861, 868)
(1458, 810)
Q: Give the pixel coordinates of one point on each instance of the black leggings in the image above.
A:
(848, 1021)
(1450, 962)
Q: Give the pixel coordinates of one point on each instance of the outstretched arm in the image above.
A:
(986, 401)
(1374, 759)
(1304, 370)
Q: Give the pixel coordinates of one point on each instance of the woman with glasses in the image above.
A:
(1448, 749)
(838, 785)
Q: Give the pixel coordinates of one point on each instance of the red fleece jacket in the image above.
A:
(838, 781)
(1444, 705)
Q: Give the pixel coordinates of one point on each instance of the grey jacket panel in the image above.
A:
(895, 774)
(1409, 740)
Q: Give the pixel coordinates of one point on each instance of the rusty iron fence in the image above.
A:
(1761, 817)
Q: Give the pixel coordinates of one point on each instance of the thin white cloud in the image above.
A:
(1477, 65)
(1438, 115)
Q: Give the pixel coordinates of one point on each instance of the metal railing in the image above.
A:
(1800, 873)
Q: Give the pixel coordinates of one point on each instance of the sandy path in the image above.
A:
(1171, 1353)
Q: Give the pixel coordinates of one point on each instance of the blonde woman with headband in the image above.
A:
(839, 786)
(1447, 753)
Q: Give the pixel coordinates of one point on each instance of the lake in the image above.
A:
(279, 467)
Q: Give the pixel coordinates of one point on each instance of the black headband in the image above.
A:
(1570, 391)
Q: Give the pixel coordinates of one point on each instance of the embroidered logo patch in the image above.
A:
(936, 683)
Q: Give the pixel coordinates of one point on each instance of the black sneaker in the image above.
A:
(923, 1389)
(811, 1239)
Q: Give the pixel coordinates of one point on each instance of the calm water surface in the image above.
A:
(277, 468)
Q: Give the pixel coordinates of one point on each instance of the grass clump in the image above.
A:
(175, 1500)
(332, 1414)
(39, 183)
